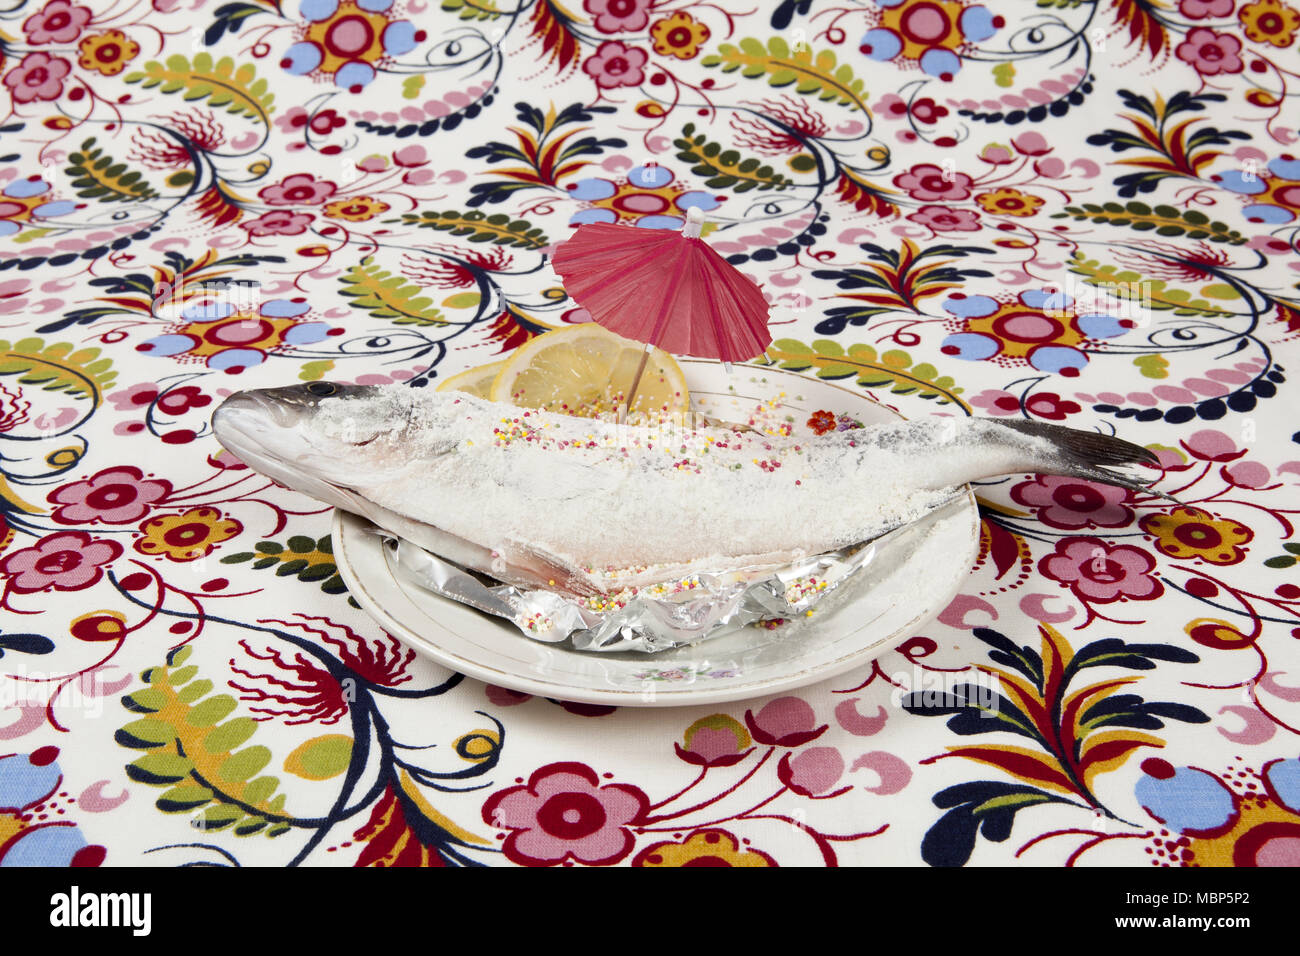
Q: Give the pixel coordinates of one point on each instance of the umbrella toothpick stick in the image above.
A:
(691, 230)
(636, 381)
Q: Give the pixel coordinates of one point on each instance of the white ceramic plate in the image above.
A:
(915, 575)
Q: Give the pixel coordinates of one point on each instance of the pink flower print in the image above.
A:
(1051, 406)
(38, 77)
(300, 189)
(1210, 53)
(564, 814)
(928, 182)
(119, 495)
(619, 16)
(63, 561)
(946, 219)
(1073, 503)
(615, 64)
(279, 222)
(58, 22)
(1100, 572)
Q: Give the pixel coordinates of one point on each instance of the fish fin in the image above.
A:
(558, 573)
(1081, 454)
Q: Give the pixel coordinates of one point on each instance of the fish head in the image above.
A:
(320, 438)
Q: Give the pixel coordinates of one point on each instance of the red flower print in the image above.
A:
(563, 814)
(58, 22)
(1051, 406)
(946, 219)
(300, 189)
(784, 722)
(64, 561)
(279, 222)
(614, 64)
(1100, 572)
(619, 16)
(324, 122)
(13, 409)
(926, 110)
(382, 661)
(180, 400)
(1210, 53)
(923, 110)
(118, 495)
(38, 77)
(303, 690)
(928, 182)
(822, 421)
(310, 695)
(1073, 503)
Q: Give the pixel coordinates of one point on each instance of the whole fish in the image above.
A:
(537, 499)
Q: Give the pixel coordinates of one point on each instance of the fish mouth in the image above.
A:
(243, 409)
(263, 433)
(241, 422)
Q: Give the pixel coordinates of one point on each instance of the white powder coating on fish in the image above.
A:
(597, 495)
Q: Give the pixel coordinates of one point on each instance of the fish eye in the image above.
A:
(322, 389)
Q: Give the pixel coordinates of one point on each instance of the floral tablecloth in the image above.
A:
(1069, 211)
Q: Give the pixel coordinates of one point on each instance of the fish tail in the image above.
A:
(1083, 454)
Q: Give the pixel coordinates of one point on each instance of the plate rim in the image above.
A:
(349, 531)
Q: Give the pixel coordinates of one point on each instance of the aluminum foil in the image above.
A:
(674, 613)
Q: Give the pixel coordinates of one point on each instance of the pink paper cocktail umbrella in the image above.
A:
(665, 288)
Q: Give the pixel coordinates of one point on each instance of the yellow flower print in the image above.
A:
(188, 536)
(1008, 202)
(1270, 21)
(1192, 533)
(703, 848)
(108, 52)
(356, 208)
(679, 35)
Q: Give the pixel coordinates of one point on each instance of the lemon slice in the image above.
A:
(477, 381)
(586, 370)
